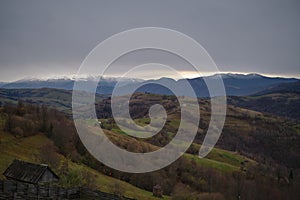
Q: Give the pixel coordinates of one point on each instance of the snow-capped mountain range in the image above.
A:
(235, 84)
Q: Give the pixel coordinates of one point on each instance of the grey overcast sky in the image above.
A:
(41, 38)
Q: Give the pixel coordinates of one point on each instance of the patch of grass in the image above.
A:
(225, 157)
(220, 166)
(174, 123)
(297, 128)
(28, 149)
(143, 121)
(117, 130)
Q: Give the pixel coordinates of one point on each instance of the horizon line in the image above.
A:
(208, 74)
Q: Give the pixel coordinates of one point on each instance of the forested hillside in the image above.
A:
(257, 156)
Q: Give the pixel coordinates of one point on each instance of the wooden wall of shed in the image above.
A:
(48, 176)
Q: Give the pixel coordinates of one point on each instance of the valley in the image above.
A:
(256, 154)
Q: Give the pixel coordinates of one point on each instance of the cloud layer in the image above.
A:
(53, 37)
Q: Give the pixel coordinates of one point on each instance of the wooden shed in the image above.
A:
(30, 173)
(157, 191)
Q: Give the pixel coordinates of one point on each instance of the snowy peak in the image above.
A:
(236, 76)
(235, 84)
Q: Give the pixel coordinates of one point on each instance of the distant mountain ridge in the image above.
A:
(235, 84)
(282, 100)
(105, 86)
(2, 83)
(293, 87)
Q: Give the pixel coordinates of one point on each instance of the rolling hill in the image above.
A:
(256, 149)
(29, 148)
(251, 132)
(282, 100)
(55, 98)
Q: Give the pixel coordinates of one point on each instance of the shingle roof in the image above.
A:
(26, 172)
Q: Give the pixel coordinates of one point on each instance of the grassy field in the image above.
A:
(28, 149)
(227, 157)
(213, 164)
(219, 159)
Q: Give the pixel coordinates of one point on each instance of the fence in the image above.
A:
(12, 190)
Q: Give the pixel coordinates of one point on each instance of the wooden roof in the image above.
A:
(157, 186)
(26, 172)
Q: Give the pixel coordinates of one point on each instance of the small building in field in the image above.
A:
(157, 191)
(30, 173)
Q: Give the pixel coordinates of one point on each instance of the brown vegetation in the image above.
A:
(269, 141)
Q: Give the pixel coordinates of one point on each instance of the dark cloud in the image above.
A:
(38, 38)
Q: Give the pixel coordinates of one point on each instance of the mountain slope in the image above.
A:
(2, 83)
(282, 100)
(283, 88)
(272, 142)
(256, 134)
(55, 98)
(238, 119)
(29, 148)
